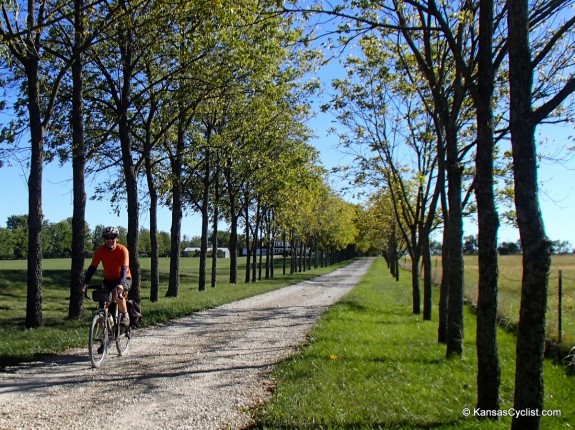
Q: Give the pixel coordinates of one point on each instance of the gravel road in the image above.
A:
(200, 372)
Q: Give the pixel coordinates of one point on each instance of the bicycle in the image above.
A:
(105, 327)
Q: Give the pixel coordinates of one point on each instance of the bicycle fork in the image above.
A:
(108, 329)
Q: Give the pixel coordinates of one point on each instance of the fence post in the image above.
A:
(559, 304)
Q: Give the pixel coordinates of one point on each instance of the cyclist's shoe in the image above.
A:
(125, 320)
(101, 348)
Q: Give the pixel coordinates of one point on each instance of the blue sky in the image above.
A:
(557, 197)
(557, 181)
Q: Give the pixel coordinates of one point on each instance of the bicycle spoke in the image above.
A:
(97, 343)
(123, 336)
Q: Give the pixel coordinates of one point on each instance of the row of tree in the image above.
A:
(441, 103)
(208, 118)
(57, 239)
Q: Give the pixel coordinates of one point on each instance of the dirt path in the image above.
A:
(200, 372)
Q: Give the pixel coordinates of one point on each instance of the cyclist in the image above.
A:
(115, 260)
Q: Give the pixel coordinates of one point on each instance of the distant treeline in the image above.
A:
(471, 247)
(57, 239)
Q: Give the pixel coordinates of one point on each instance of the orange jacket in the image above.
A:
(112, 261)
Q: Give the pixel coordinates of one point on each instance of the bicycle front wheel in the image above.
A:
(98, 340)
(123, 336)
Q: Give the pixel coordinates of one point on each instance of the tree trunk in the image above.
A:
(272, 257)
(318, 255)
(394, 258)
(443, 288)
(269, 255)
(133, 210)
(35, 217)
(203, 249)
(444, 283)
(233, 243)
(260, 263)
(455, 251)
(415, 291)
(255, 244)
(126, 40)
(254, 255)
(248, 249)
(177, 212)
(75, 308)
(205, 223)
(284, 253)
(175, 240)
(234, 216)
(215, 224)
(293, 253)
(303, 261)
(488, 371)
(425, 231)
(427, 281)
(535, 244)
(154, 258)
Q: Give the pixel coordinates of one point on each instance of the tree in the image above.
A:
(470, 245)
(266, 158)
(29, 48)
(194, 53)
(379, 230)
(447, 104)
(561, 247)
(6, 244)
(57, 239)
(482, 88)
(509, 248)
(445, 98)
(75, 307)
(15, 222)
(118, 58)
(16, 232)
(446, 65)
(523, 122)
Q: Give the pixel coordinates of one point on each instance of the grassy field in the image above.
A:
(19, 344)
(371, 364)
(510, 268)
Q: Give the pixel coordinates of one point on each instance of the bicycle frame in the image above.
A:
(105, 327)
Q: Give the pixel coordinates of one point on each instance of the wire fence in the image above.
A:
(561, 302)
(560, 324)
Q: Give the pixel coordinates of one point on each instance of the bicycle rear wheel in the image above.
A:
(98, 340)
(123, 336)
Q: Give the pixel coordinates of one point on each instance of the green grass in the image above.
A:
(371, 364)
(58, 334)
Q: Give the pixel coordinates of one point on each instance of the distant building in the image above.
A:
(194, 250)
(278, 249)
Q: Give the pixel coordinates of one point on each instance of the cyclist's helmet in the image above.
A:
(110, 231)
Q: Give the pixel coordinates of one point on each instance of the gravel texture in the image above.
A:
(201, 372)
